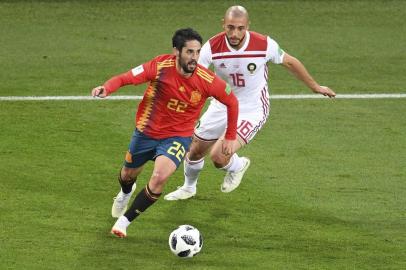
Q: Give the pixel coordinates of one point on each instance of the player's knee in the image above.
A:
(194, 155)
(127, 175)
(126, 178)
(198, 150)
(158, 179)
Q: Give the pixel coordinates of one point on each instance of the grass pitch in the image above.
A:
(326, 187)
(323, 192)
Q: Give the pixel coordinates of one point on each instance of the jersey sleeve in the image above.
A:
(138, 75)
(274, 53)
(221, 91)
(205, 55)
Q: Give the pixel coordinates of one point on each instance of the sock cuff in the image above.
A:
(150, 195)
(225, 168)
(235, 164)
(193, 162)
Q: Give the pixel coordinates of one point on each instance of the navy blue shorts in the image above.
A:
(144, 148)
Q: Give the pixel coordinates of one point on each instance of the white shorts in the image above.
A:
(213, 123)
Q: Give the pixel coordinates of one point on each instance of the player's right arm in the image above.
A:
(205, 58)
(113, 85)
(278, 56)
(141, 74)
(298, 69)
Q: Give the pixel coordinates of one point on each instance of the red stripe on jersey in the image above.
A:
(258, 42)
(238, 56)
(218, 43)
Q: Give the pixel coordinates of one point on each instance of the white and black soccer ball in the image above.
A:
(186, 241)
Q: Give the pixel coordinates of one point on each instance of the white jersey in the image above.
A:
(245, 70)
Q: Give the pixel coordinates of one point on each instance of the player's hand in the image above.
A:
(99, 91)
(228, 147)
(325, 91)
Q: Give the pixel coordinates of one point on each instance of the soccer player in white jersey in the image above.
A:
(239, 57)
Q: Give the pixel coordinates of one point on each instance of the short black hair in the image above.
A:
(185, 34)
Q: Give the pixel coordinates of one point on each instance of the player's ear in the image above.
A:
(223, 24)
(175, 52)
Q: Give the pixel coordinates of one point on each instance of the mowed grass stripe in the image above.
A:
(129, 97)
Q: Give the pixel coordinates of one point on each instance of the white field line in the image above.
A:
(309, 96)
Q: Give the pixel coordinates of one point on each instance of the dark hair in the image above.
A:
(185, 34)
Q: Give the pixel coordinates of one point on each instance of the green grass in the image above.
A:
(326, 188)
(68, 47)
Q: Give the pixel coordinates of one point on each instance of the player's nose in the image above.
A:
(195, 56)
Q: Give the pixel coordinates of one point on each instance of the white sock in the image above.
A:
(123, 222)
(192, 170)
(234, 165)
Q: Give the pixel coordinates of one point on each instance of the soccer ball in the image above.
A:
(186, 241)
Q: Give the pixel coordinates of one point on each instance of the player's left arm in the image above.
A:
(298, 69)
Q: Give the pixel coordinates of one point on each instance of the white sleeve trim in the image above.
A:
(137, 70)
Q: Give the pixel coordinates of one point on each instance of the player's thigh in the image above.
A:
(249, 124)
(128, 174)
(199, 148)
(163, 168)
(212, 124)
(174, 148)
(142, 148)
(169, 155)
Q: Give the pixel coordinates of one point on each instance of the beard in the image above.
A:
(235, 42)
(188, 67)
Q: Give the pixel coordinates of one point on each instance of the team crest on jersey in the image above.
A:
(195, 97)
(251, 68)
(181, 88)
(222, 65)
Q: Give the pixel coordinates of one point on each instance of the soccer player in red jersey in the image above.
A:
(177, 91)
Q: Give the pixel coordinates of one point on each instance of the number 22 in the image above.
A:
(177, 150)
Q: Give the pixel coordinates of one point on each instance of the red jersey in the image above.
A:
(172, 103)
